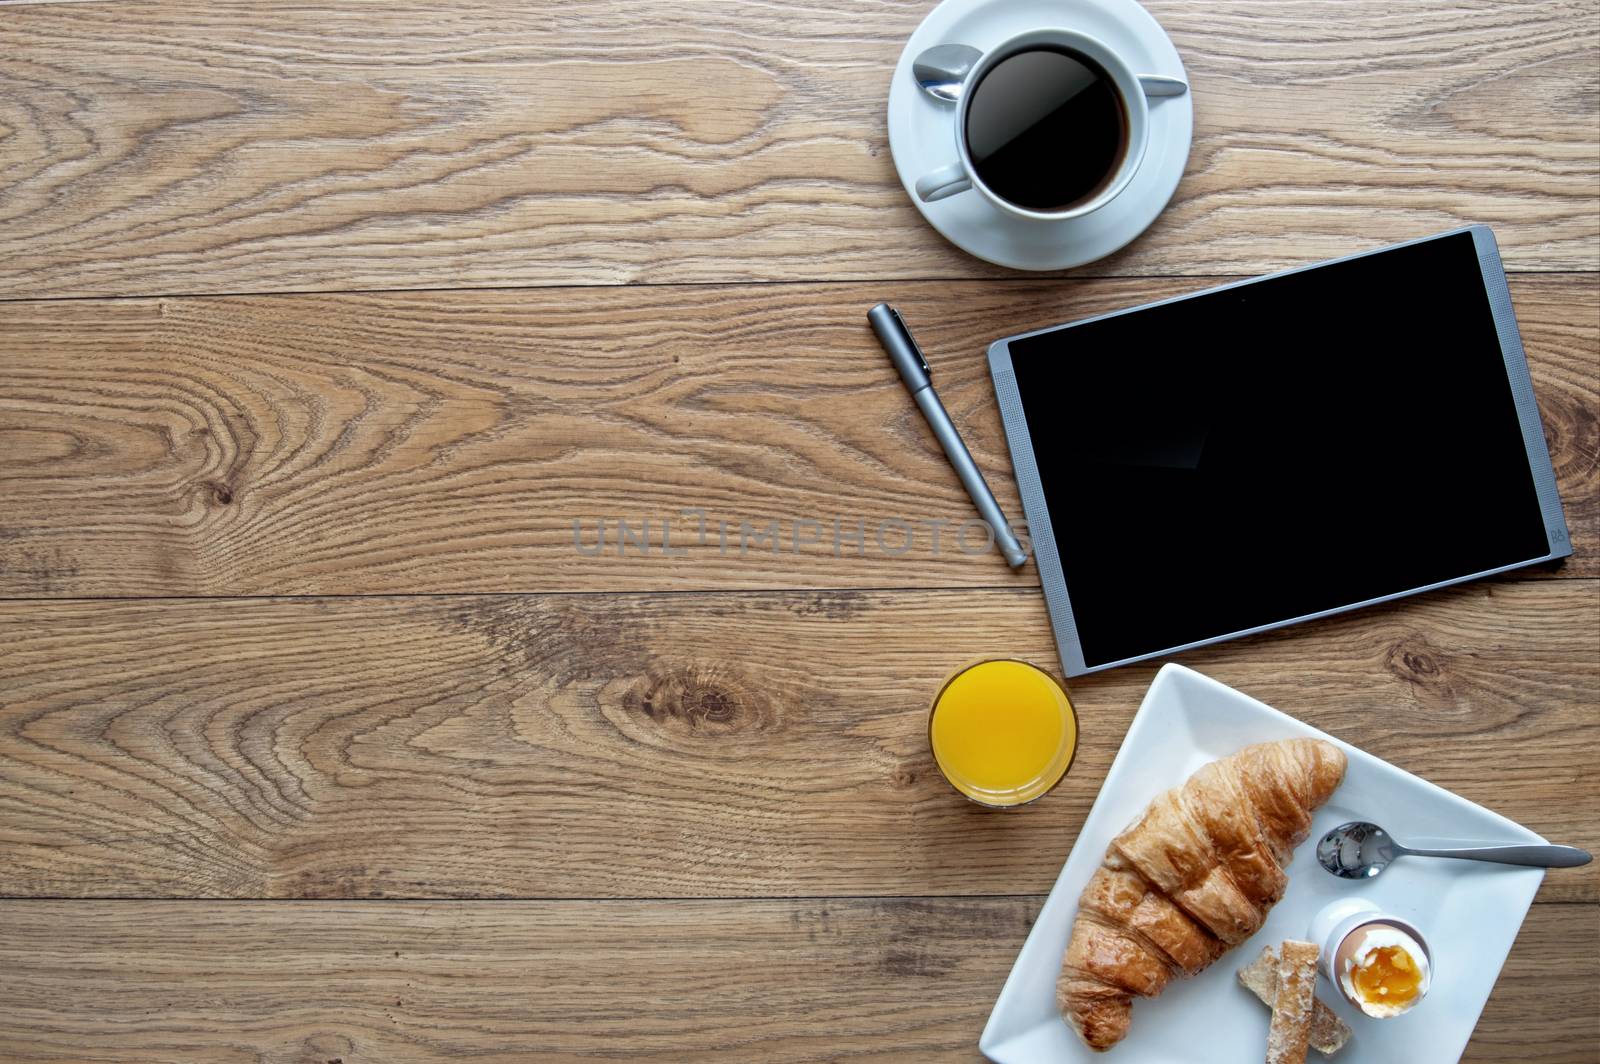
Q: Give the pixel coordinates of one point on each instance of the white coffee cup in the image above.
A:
(1131, 89)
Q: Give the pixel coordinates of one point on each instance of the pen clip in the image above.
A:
(916, 348)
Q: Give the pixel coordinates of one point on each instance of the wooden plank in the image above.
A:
(444, 442)
(779, 981)
(679, 745)
(203, 146)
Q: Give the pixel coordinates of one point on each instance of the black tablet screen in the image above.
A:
(1278, 449)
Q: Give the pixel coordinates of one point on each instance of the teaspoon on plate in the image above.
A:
(1361, 850)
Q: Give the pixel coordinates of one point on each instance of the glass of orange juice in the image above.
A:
(1003, 732)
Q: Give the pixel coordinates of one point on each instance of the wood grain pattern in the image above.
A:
(426, 442)
(678, 745)
(627, 810)
(778, 981)
(201, 146)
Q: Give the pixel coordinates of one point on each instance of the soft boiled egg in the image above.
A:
(1382, 970)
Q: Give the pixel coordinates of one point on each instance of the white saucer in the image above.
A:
(922, 132)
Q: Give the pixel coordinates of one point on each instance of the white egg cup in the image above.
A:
(1331, 926)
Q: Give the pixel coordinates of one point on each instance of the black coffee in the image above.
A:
(1046, 129)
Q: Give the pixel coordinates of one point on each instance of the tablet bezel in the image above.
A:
(1037, 511)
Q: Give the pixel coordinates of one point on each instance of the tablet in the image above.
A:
(1277, 450)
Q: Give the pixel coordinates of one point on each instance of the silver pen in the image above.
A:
(907, 358)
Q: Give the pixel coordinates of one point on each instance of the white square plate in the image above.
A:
(1470, 911)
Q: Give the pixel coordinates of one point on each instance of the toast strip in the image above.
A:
(1328, 1032)
(1290, 1033)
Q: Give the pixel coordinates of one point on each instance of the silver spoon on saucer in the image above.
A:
(1361, 850)
(942, 72)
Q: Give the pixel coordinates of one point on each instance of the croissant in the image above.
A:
(1190, 879)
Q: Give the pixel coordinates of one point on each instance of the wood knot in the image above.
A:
(700, 700)
(903, 777)
(221, 493)
(327, 1048)
(1416, 661)
(1570, 426)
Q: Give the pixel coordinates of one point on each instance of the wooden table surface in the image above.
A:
(325, 322)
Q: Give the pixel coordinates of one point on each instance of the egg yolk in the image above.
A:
(1388, 977)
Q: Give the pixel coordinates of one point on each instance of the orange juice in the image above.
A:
(1003, 732)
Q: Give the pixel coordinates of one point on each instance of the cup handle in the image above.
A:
(1155, 85)
(943, 182)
